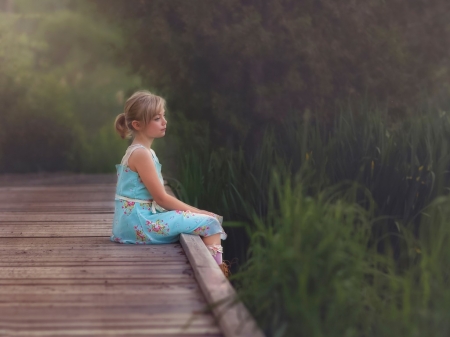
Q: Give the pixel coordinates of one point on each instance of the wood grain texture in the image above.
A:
(234, 319)
(60, 275)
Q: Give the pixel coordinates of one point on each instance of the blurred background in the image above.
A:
(226, 68)
(319, 129)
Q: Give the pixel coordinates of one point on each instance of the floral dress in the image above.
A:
(138, 219)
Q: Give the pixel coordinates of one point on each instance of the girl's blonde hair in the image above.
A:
(142, 106)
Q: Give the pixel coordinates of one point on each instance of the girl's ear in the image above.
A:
(136, 125)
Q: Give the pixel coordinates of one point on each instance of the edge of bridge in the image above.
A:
(233, 317)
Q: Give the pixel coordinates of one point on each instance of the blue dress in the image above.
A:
(139, 220)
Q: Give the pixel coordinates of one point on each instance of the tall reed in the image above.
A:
(349, 237)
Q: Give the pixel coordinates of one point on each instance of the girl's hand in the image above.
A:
(204, 212)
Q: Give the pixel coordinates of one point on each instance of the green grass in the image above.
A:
(312, 271)
(344, 227)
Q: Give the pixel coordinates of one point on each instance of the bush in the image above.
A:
(350, 238)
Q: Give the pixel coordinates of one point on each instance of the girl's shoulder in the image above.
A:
(137, 154)
(145, 152)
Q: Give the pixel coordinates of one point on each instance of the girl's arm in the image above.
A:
(141, 161)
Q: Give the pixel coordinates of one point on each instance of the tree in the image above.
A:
(60, 89)
(241, 64)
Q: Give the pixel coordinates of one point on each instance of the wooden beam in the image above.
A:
(233, 317)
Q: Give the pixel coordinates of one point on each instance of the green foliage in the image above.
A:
(104, 152)
(311, 270)
(402, 167)
(349, 238)
(36, 116)
(60, 89)
(243, 64)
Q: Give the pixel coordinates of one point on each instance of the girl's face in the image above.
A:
(156, 128)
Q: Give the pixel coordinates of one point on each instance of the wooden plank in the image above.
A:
(109, 289)
(10, 261)
(56, 225)
(55, 217)
(100, 299)
(46, 231)
(94, 252)
(86, 272)
(51, 206)
(108, 315)
(190, 299)
(104, 313)
(60, 275)
(88, 331)
(60, 223)
(88, 242)
(131, 323)
(58, 211)
(98, 252)
(68, 311)
(234, 319)
(148, 305)
(82, 243)
(70, 263)
(94, 188)
(67, 263)
(49, 179)
(73, 210)
(173, 279)
(110, 323)
(48, 196)
(58, 204)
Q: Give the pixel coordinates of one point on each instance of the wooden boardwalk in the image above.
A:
(61, 276)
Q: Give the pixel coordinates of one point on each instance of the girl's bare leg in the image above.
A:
(211, 240)
(213, 244)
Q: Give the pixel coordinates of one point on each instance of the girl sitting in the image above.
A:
(144, 212)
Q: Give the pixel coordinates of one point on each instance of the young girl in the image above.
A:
(144, 212)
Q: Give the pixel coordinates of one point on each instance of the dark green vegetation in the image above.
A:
(235, 65)
(238, 65)
(348, 228)
(336, 209)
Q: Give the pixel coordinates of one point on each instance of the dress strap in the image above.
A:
(128, 153)
(153, 153)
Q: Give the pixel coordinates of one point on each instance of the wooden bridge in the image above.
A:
(61, 276)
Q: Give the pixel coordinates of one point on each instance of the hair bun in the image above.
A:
(121, 126)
